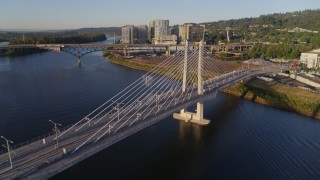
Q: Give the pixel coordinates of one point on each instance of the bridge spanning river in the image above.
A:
(188, 77)
(80, 50)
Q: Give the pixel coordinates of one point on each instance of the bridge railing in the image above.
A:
(30, 141)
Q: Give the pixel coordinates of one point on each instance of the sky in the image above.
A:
(73, 14)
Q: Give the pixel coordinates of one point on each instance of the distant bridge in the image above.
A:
(188, 77)
(80, 50)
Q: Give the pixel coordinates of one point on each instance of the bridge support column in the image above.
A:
(168, 53)
(197, 117)
(125, 51)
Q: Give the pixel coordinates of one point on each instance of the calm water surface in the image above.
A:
(244, 141)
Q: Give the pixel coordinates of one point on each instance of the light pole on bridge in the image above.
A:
(118, 108)
(56, 131)
(8, 147)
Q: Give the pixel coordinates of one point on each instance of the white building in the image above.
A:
(192, 32)
(166, 40)
(129, 34)
(134, 35)
(158, 28)
(311, 59)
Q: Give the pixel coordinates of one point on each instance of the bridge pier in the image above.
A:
(168, 53)
(196, 118)
(184, 115)
(126, 52)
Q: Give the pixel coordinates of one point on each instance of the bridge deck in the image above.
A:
(38, 160)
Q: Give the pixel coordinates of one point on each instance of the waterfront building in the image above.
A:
(129, 34)
(311, 59)
(158, 28)
(142, 34)
(134, 35)
(161, 27)
(166, 40)
(193, 32)
(174, 30)
(151, 31)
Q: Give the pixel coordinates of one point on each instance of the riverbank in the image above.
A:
(276, 95)
(42, 39)
(267, 93)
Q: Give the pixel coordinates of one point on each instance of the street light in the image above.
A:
(56, 131)
(8, 146)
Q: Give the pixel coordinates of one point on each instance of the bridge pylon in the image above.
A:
(184, 115)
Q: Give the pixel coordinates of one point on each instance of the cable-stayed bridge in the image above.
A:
(188, 77)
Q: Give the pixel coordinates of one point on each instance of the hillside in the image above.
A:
(307, 19)
(11, 35)
(277, 35)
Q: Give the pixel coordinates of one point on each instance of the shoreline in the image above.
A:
(268, 104)
(252, 90)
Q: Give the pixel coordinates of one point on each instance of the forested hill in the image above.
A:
(307, 19)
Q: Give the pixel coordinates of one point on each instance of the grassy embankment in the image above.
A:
(129, 63)
(268, 93)
(277, 95)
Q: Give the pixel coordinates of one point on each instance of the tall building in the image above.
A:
(161, 28)
(158, 28)
(151, 31)
(129, 34)
(174, 30)
(192, 32)
(142, 34)
(182, 34)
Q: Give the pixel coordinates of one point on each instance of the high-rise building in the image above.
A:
(142, 34)
(192, 32)
(182, 34)
(161, 28)
(158, 28)
(174, 30)
(129, 34)
(151, 31)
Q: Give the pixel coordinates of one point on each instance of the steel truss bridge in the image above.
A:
(80, 50)
(188, 77)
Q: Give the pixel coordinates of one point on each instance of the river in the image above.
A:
(244, 141)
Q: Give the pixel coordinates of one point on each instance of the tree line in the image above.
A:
(44, 39)
(65, 39)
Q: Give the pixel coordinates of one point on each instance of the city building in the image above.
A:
(158, 28)
(174, 30)
(142, 34)
(161, 27)
(166, 40)
(151, 31)
(311, 59)
(134, 35)
(129, 34)
(192, 32)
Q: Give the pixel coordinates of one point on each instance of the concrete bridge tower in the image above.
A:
(184, 115)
